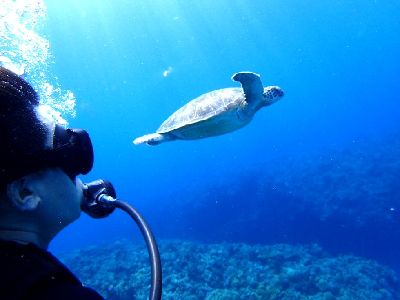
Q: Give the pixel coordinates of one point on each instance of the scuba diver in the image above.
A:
(40, 195)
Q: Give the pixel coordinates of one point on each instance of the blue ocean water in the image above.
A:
(336, 60)
(319, 166)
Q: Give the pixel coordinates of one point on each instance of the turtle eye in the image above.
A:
(277, 92)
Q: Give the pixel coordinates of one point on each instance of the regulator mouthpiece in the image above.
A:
(99, 197)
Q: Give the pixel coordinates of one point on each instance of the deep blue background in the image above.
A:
(337, 61)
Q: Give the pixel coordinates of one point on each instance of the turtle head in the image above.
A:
(272, 94)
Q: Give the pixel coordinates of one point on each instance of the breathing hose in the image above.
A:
(100, 201)
(155, 261)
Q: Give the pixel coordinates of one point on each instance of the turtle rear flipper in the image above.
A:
(153, 139)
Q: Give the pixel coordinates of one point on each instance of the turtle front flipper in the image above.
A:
(251, 84)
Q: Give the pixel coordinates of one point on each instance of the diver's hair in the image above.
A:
(16, 90)
(21, 131)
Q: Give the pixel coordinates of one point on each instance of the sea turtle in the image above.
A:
(216, 112)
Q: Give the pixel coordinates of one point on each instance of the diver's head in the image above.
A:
(39, 162)
(272, 94)
(30, 140)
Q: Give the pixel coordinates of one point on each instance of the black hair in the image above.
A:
(21, 132)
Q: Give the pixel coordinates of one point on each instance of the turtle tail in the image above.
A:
(153, 139)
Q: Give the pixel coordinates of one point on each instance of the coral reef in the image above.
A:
(193, 270)
(345, 198)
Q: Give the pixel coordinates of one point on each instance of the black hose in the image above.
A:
(155, 261)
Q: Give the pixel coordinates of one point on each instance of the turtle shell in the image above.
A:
(205, 107)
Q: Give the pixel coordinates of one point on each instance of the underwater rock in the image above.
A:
(358, 182)
(346, 198)
(225, 271)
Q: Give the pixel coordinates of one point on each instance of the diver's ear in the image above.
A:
(22, 195)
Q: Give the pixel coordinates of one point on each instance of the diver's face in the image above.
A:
(60, 197)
